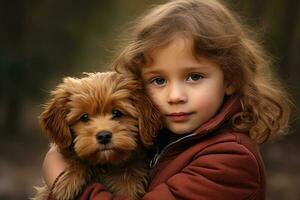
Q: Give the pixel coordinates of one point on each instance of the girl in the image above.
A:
(213, 86)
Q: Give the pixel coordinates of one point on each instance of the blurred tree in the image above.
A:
(44, 40)
(289, 25)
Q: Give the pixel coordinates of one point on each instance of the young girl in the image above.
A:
(213, 86)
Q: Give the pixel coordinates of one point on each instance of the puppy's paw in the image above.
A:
(70, 184)
(42, 193)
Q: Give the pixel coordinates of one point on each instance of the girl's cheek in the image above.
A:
(150, 92)
(155, 98)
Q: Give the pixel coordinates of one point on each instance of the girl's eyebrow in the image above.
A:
(195, 67)
(151, 72)
(185, 69)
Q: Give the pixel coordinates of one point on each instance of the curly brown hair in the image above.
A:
(219, 35)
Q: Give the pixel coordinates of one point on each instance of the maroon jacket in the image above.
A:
(215, 162)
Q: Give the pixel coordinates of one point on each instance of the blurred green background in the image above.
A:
(42, 41)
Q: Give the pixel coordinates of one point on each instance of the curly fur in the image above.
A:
(120, 164)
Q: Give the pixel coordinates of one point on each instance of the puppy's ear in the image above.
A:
(150, 120)
(53, 118)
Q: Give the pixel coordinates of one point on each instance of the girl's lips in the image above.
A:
(179, 117)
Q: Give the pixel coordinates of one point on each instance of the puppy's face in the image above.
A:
(104, 116)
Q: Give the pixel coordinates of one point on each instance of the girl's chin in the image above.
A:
(180, 130)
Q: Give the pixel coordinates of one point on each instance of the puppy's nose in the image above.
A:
(104, 137)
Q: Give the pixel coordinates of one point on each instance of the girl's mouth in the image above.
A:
(179, 117)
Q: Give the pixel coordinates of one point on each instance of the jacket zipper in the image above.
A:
(158, 154)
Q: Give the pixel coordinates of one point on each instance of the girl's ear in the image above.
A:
(229, 90)
(53, 119)
(150, 120)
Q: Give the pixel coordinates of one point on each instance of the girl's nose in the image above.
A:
(176, 94)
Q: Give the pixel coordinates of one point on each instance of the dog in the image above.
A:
(102, 124)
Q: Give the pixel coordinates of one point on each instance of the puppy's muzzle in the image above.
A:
(104, 137)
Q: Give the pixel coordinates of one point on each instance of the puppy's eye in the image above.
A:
(116, 113)
(84, 118)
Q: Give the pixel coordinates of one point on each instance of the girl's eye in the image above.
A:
(158, 81)
(194, 77)
(84, 118)
(116, 113)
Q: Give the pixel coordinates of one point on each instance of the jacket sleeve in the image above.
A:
(221, 171)
(96, 191)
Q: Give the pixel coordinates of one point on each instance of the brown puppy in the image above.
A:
(101, 124)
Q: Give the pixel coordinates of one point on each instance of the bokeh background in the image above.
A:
(42, 41)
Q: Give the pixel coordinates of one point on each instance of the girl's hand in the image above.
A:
(54, 164)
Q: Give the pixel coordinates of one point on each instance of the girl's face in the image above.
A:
(187, 91)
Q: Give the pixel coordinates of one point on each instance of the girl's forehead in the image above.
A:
(179, 52)
(176, 45)
(178, 40)
(177, 56)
